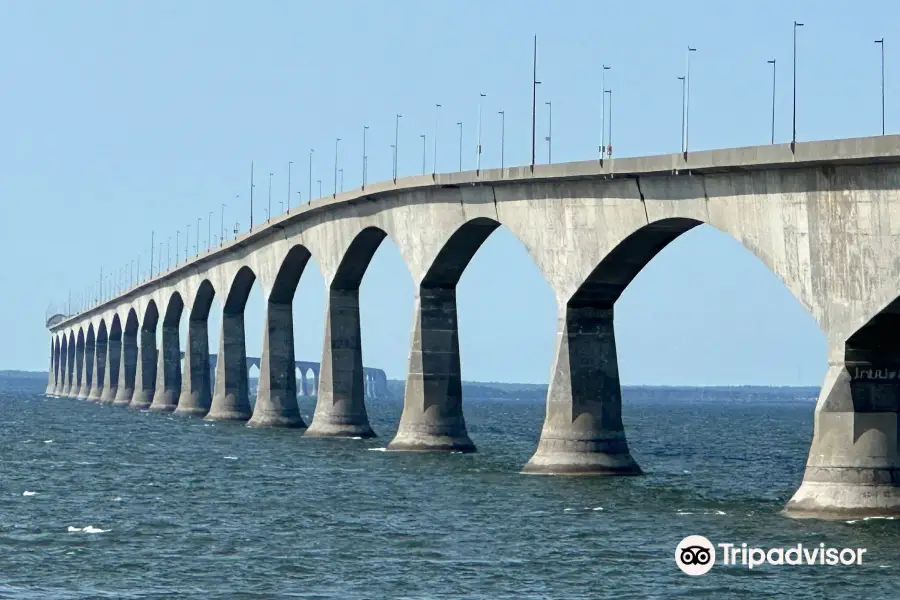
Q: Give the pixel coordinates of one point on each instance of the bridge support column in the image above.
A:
(231, 399)
(196, 396)
(276, 394)
(111, 380)
(51, 372)
(84, 364)
(68, 367)
(432, 416)
(145, 371)
(853, 468)
(168, 371)
(583, 432)
(341, 405)
(127, 368)
(98, 370)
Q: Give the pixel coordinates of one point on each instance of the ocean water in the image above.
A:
(107, 502)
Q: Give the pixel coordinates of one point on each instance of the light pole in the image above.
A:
(794, 133)
(299, 198)
(772, 62)
(502, 136)
(222, 226)
(396, 144)
(281, 204)
(336, 142)
(603, 111)
(169, 253)
(197, 246)
(609, 127)
(320, 187)
(290, 162)
(309, 196)
(534, 84)
(549, 137)
(269, 206)
(687, 104)
(152, 251)
(460, 144)
(437, 112)
(423, 153)
(209, 231)
(177, 245)
(682, 79)
(341, 171)
(364, 157)
(187, 237)
(478, 149)
(881, 42)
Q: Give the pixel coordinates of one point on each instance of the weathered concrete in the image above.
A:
(824, 217)
(127, 362)
(113, 354)
(276, 394)
(432, 416)
(145, 372)
(84, 365)
(231, 399)
(168, 371)
(341, 406)
(196, 397)
(98, 365)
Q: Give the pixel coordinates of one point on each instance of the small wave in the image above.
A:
(568, 509)
(48, 441)
(27, 493)
(597, 508)
(117, 499)
(230, 457)
(88, 529)
(377, 449)
(356, 438)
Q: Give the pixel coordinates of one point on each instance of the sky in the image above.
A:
(122, 118)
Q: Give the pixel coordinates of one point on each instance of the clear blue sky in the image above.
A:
(119, 118)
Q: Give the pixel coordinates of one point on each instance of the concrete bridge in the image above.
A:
(824, 217)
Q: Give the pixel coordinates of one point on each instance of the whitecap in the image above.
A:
(48, 441)
(885, 518)
(597, 508)
(568, 509)
(851, 522)
(73, 529)
(377, 449)
(686, 471)
(117, 499)
(720, 512)
(356, 438)
(230, 457)
(27, 493)
(92, 529)
(683, 513)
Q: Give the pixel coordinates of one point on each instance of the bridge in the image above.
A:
(823, 216)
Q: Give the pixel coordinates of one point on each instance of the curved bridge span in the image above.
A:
(824, 217)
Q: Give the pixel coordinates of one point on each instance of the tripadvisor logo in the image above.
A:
(696, 555)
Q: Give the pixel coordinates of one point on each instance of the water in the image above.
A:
(180, 508)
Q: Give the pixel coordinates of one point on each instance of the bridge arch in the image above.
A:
(196, 387)
(65, 382)
(231, 398)
(57, 370)
(128, 359)
(88, 351)
(168, 368)
(98, 379)
(113, 361)
(145, 370)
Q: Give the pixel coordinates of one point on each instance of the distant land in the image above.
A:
(492, 390)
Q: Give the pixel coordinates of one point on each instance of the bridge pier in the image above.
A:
(231, 399)
(583, 432)
(127, 367)
(276, 394)
(84, 365)
(68, 367)
(196, 397)
(853, 469)
(341, 405)
(98, 369)
(432, 418)
(168, 371)
(111, 370)
(145, 371)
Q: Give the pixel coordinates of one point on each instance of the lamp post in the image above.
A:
(423, 153)
(437, 111)
(169, 253)
(772, 62)
(341, 171)
(396, 144)
(152, 251)
(682, 79)
(534, 84)
(794, 133)
(364, 157)
(281, 204)
(478, 148)
(187, 237)
(177, 245)
(320, 187)
(252, 185)
(222, 226)
(549, 137)
(881, 42)
(336, 142)
(609, 127)
(197, 246)
(603, 111)
(502, 136)
(209, 231)
(460, 143)
(687, 104)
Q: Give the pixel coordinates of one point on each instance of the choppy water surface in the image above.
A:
(179, 508)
